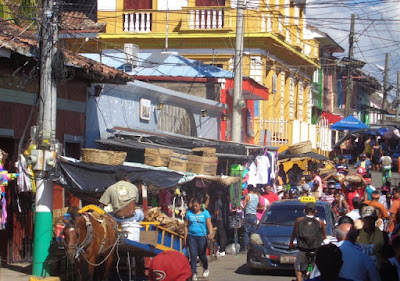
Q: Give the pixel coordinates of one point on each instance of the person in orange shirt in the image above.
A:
(394, 209)
(382, 212)
(374, 203)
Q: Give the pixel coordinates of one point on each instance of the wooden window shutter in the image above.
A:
(210, 2)
(138, 4)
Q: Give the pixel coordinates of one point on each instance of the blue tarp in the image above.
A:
(349, 123)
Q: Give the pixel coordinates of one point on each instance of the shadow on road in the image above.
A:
(244, 270)
(23, 267)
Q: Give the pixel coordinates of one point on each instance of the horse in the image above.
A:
(89, 234)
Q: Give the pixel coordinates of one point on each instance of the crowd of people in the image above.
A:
(368, 223)
(367, 232)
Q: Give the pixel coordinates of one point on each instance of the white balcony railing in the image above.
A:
(206, 19)
(137, 22)
(277, 131)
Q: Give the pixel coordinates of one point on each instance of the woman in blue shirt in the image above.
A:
(197, 222)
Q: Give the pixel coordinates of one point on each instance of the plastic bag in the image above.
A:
(230, 249)
(235, 220)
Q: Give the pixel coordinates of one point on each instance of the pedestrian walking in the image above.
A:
(250, 204)
(198, 229)
(221, 213)
(376, 157)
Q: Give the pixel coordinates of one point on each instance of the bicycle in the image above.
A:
(310, 265)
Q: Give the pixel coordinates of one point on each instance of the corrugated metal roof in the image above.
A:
(163, 64)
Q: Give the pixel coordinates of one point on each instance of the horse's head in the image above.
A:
(71, 234)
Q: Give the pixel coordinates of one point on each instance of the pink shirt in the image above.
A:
(319, 180)
(263, 202)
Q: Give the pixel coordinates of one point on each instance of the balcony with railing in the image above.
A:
(138, 21)
(271, 21)
(206, 19)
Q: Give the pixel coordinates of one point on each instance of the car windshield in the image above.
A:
(287, 214)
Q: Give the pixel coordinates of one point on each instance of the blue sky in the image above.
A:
(377, 30)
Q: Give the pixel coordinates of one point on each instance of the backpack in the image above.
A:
(309, 234)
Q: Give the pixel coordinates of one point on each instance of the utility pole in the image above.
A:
(238, 62)
(385, 86)
(43, 158)
(397, 96)
(349, 87)
(167, 28)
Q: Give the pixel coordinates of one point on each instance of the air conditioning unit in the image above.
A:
(131, 55)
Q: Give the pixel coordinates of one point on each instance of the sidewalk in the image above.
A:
(15, 272)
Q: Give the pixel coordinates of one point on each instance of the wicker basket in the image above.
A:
(299, 148)
(106, 157)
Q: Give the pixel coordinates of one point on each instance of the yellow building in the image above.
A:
(277, 52)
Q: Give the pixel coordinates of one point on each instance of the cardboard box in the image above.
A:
(148, 237)
(204, 151)
(202, 165)
(157, 157)
(178, 162)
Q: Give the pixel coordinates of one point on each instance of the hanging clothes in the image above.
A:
(252, 179)
(263, 164)
(164, 198)
(25, 180)
(273, 163)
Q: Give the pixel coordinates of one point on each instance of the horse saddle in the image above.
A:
(95, 211)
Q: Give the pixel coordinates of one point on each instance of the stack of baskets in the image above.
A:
(300, 148)
(106, 157)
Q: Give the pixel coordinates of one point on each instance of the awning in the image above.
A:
(251, 90)
(349, 123)
(286, 156)
(332, 118)
(360, 132)
(89, 181)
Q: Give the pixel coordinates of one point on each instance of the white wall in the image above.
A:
(172, 4)
(106, 5)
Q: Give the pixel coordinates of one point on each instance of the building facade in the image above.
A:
(276, 52)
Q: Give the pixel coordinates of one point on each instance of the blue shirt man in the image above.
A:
(357, 266)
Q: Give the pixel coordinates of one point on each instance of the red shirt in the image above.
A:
(271, 197)
(350, 196)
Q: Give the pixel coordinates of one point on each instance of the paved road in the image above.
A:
(228, 268)
(233, 268)
(377, 179)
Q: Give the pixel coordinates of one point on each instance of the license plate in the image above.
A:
(287, 259)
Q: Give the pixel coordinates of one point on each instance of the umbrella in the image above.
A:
(349, 123)
(286, 156)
